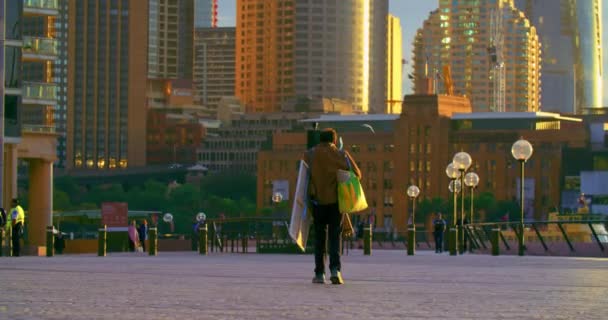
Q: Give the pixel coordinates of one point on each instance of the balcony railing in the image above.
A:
(34, 128)
(41, 7)
(40, 48)
(39, 93)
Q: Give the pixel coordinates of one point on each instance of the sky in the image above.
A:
(412, 14)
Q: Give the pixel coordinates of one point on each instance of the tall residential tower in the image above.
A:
(299, 50)
(460, 34)
(107, 73)
(394, 66)
(571, 36)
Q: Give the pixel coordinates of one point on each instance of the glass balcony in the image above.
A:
(34, 128)
(39, 48)
(41, 7)
(39, 93)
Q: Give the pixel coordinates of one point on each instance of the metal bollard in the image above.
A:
(453, 241)
(153, 241)
(202, 239)
(411, 241)
(460, 240)
(367, 240)
(495, 241)
(50, 242)
(101, 245)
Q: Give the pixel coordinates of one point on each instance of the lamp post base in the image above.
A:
(453, 241)
(411, 241)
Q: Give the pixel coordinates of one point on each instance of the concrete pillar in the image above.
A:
(9, 185)
(40, 204)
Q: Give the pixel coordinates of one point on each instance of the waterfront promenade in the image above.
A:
(387, 285)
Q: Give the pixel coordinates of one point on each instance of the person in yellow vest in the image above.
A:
(17, 222)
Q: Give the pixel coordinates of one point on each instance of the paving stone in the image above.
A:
(387, 285)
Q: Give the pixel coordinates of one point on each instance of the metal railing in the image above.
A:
(548, 234)
(41, 4)
(33, 128)
(39, 91)
(40, 46)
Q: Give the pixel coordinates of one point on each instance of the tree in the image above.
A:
(61, 200)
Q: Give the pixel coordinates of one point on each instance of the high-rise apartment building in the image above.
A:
(107, 73)
(214, 56)
(461, 34)
(170, 38)
(205, 13)
(28, 95)
(394, 61)
(293, 50)
(60, 75)
(571, 36)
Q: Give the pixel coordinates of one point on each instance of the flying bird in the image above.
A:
(369, 127)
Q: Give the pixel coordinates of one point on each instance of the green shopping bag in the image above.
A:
(350, 193)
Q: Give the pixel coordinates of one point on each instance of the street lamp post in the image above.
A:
(453, 173)
(471, 180)
(462, 161)
(522, 151)
(413, 192)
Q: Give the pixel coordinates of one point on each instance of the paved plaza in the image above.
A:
(387, 285)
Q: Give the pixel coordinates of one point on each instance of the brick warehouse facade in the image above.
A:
(415, 148)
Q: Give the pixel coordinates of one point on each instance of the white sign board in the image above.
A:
(301, 216)
(281, 187)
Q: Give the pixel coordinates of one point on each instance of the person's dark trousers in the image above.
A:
(439, 242)
(16, 236)
(143, 243)
(327, 219)
(131, 245)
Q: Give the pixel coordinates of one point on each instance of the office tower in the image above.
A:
(571, 36)
(394, 66)
(213, 65)
(107, 73)
(170, 33)
(294, 51)
(205, 13)
(491, 48)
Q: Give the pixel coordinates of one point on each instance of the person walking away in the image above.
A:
(143, 233)
(17, 224)
(59, 242)
(133, 236)
(439, 226)
(324, 161)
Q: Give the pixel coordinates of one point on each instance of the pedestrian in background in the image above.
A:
(143, 234)
(133, 236)
(439, 226)
(17, 224)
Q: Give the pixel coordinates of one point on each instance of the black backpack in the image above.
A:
(2, 217)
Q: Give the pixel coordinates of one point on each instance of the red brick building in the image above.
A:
(416, 147)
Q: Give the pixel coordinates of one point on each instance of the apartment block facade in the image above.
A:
(288, 50)
(107, 73)
(460, 34)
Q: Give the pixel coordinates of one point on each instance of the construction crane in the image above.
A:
(447, 80)
(497, 65)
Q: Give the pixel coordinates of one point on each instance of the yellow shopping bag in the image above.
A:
(351, 197)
